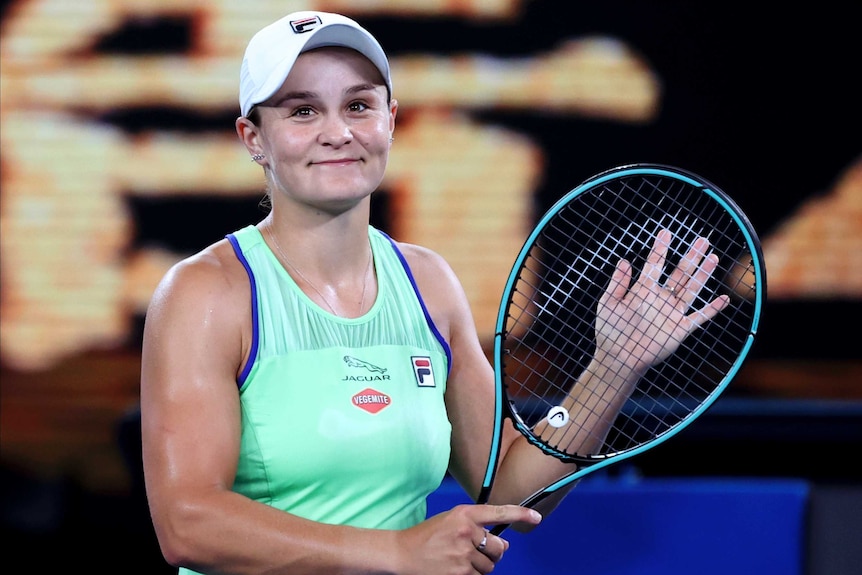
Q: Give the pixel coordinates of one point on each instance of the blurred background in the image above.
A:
(118, 157)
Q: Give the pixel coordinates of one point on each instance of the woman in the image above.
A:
(286, 428)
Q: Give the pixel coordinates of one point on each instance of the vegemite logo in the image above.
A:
(371, 400)
(423, 371)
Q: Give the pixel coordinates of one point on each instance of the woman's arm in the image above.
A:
(640, 324)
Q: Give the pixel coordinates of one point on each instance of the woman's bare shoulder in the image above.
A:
(440, 287)
(421, 258)
(211, 276)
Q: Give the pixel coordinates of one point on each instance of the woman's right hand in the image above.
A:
(449, 543)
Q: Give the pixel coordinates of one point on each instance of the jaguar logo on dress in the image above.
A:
(423, 370)
(356, 362)
(376, 373)
(371, 400)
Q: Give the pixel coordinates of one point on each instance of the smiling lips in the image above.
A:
(336, 162)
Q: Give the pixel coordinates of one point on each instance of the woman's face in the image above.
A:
(327, 131)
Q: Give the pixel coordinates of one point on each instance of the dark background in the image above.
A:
(764, 101)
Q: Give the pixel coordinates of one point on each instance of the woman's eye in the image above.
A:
(357, 106)
(303, 111)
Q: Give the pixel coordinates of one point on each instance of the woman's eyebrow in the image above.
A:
(360, 88)
(297, 95)
(311, 95)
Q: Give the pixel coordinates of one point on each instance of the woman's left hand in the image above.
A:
(644, 324)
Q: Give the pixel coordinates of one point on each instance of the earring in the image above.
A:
(391, 139)
(257, 157)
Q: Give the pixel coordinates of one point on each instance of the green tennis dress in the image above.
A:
(343, 420)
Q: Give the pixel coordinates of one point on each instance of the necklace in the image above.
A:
(314, 287)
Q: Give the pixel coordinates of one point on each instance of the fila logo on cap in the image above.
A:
(305, 25)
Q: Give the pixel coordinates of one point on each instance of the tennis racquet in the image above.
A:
(545, 334)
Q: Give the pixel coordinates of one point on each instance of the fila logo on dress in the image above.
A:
(423, 370)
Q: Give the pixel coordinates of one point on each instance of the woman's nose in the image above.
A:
(336, 132)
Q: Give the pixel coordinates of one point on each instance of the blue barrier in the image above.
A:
(635, 526)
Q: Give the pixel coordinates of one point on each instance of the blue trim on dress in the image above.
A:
(255, 335)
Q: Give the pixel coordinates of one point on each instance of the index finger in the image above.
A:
(507, 514)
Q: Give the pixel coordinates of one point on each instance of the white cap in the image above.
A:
(271, 53)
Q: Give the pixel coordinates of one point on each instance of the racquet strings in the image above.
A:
(548, 336)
